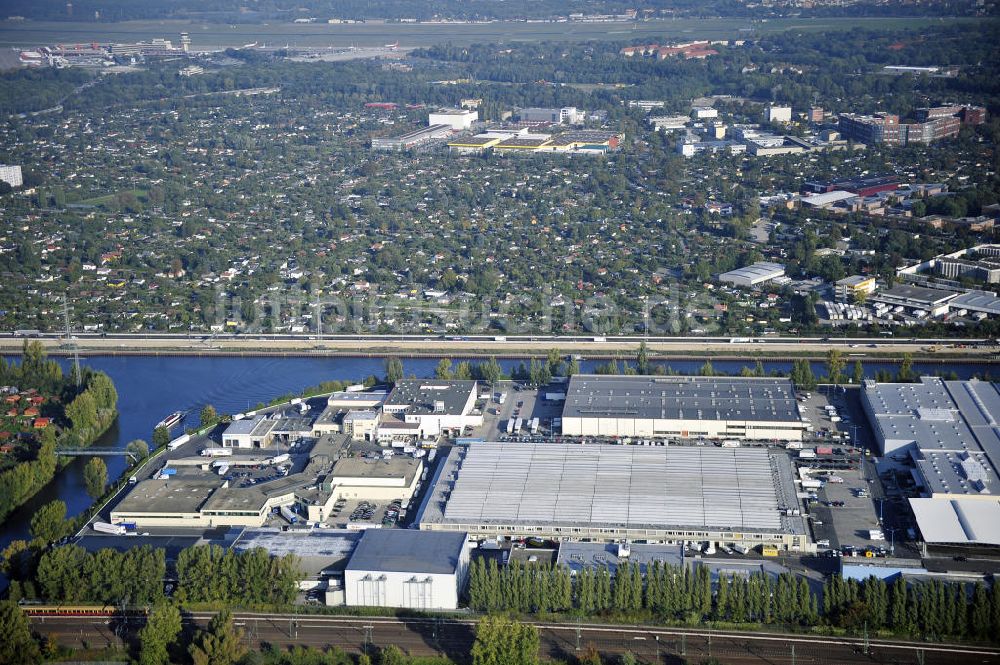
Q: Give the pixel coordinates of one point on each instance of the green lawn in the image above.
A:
(108, 199)
(215, 35)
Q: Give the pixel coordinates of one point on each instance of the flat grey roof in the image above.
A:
(167, 496)
(681, 398)
(978, 301)
(319, 550)
(394, 467)
(293, 424)
(948, 422)
(245, 425)
(419, 395)
(918, 294)
(316, 542)
(617, 486)
(407, 551)
(577, 555)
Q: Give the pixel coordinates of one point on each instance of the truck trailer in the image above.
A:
(113, 529)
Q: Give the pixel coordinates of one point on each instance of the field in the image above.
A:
(207, 36)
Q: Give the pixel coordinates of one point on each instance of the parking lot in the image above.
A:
(362, 513)
(525, 404)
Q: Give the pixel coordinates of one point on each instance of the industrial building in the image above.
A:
(412, 139)
(254, 432)
(11, 175)
(613, 493)
(407, 569)
(399, 568)
(947, 431)
(682, 407)
(457, 119)
(778, 114)
(669, 123)
(919, 300)
(562, 116)
(692, 148)
(513, 141)
(193, 496)
(752, 275)
(431, 407)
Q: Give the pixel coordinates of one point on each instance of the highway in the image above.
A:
(453, 637)
(502, 345)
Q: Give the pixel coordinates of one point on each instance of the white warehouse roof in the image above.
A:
(628, 486)
(958, 521)
(762, 271)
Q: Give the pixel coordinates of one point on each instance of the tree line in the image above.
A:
(682, 593)
(210, 573)
(934, 608)
(205, 573)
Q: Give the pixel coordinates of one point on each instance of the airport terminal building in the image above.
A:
(761, 409)
(606, 493)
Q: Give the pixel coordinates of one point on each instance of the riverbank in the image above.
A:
(692, 349)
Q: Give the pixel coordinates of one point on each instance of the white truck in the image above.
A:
(216, 452)
(742, 549)
(287, 513)
(178, 442)
(113, 529)
(278, 459)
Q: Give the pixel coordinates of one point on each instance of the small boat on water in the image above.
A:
(171, 420)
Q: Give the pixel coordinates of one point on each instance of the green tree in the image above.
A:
(48, 524)
(161, 437)
(139, 448)
(490, 371)
(221, 644)
(859, 372)
(208, 415)
(61, 576)
(95, 477)
(905, 369)
(835, 366)
(393, 370)
(443, 369)
(17, 647)
(159, 634)
(642, 359)
(392, 655)
(504, 641)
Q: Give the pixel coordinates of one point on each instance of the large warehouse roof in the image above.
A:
(958, 521)
(406, 551)
(951, 426)
(681, 398)
(618, 486)
(762, 271)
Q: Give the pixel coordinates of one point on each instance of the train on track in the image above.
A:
(32, 610)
